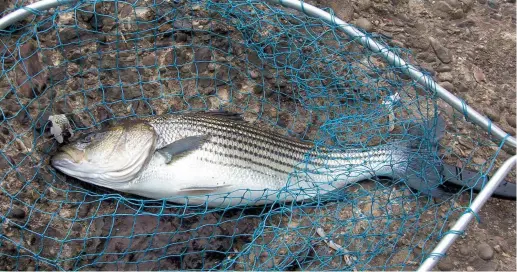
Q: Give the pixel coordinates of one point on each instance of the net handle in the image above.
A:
(414, 73)
(26, 11)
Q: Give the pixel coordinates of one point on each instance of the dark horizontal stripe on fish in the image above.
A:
(247, 146)
(233, 134)
(244, 146)
(262, 142)
(242, 129)
(247, 151)
(248, 128)
(323, 153)
(237, 157)
(236, 166)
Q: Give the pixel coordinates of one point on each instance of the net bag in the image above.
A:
(98, 62)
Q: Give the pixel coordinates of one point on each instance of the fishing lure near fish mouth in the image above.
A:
(218, 159)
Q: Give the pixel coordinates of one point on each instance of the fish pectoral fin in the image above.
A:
(182, 147)
(203, 188)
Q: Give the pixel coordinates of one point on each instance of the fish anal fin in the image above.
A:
(182, 147)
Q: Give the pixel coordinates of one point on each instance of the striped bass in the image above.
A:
(217, 159)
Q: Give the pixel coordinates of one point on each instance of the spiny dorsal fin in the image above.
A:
(224, 115)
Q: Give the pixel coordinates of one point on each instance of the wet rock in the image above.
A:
(493, 115)
(62, 107)
(446, 265)
(510, 119)
(205, 82)
(225, 75)
(149, 60)
(66, 35)
(485, 252)
(182, 25)
(17, 213)
(83, 210)
(180, 37)
(218, 27)
(131, 92)
(202, 58)
(364, 24)
(31, 77)
(9, 108)
(441, 52)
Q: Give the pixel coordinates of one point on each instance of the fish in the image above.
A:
(218, 159)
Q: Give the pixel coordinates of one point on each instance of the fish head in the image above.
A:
(110, 157)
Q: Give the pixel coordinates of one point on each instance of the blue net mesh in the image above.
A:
(99, 62)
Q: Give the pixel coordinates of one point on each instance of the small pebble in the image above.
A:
(364, 24)
(470, 268)
(445, 265)
(254, 74)
(446, 76)
(510, 119)
(180, 37)
(443, 68)
(478, 160)
(485, 251)
(465, 250)
(493, 115)
(498, 249)
(447, 85)
(441, 52)
(18, 213)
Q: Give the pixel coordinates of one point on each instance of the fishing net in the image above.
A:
(100, 62)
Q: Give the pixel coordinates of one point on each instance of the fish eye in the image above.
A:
(88, 138)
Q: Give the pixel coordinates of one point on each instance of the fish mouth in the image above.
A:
(67, 156)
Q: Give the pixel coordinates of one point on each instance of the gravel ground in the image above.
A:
(469, 47)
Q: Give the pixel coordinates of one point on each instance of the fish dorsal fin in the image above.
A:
(182, 147)
(225, 115)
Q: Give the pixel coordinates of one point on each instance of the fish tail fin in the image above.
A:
(423, 170)
(465, 179)
(423, 173)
